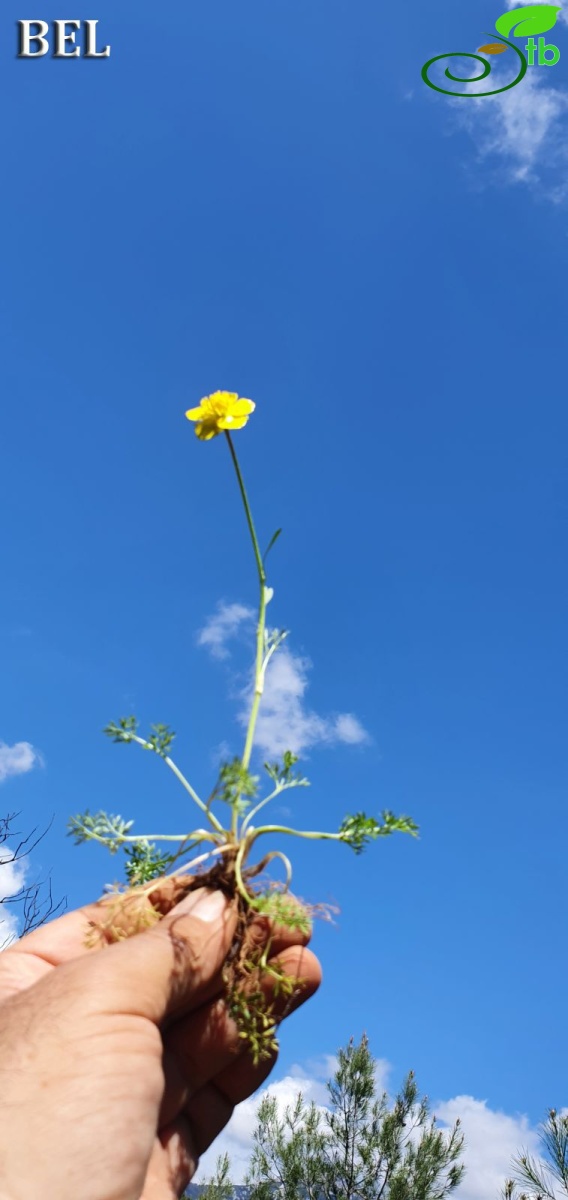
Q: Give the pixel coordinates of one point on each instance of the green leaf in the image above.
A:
(274, 537)
(273, 638)
(122, 732)
(109, 829)
(358, 830)
(160, 740)
(283, 909)
(527, 21)
(281, 773)
(145, 862)
(236, 785)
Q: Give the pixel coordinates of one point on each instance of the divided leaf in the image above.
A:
(105, 828)
(284, 910)
(160, 740)
(236, 786)
(145, 862)
(127, 726)
(358, 830)
(281, 773)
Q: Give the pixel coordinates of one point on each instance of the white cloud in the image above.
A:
(286, 723)
(520, 135)
(18, 759)
(562, 15)
(282, 810)
(526, 129)
(221, 753)
(222, 626)
(236, 1139)
(492, 1138)
(349, 729)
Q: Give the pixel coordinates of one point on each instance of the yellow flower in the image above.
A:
(219, 412)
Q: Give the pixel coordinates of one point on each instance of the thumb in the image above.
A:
(167, 970)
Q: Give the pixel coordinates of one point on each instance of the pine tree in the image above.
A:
(219, 1186)
(546, 1177)
(358, 1149)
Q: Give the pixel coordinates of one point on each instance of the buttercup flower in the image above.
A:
(219, 412)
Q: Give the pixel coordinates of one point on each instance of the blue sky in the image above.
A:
(266, 198)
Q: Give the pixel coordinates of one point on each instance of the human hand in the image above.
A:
(119, 1068)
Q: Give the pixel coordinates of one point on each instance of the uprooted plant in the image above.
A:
(232, 842)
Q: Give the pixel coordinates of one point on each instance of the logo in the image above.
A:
(528, 22)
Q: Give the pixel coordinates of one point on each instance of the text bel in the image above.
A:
(34, 40)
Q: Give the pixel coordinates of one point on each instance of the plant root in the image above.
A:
(258, 992)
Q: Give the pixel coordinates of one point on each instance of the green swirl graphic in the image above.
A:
(486, 71)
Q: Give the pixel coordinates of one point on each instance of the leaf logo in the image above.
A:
(527, 21)
(492, 48)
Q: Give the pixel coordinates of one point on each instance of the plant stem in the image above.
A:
(258, 807)
(171, 764)
(258, 679)
(197, 861)
(257, 554)
(200, 835)
(287, 865)
(210, 816)
(238, 872)
(253, 834)
(259, 665)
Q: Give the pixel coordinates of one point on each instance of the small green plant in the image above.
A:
(226, 838)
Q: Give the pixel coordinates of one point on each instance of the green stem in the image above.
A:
(210, 816)
(259, 666)
(258, 807)
(253, 834)
(258, 679)
(257, 554)
(238, 872)
(195, 839)
(184, 782)
(287, 865)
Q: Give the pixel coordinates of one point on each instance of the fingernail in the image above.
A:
(204, 904)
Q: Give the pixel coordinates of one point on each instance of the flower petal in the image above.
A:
(220, 411)
(230, 422)
(242, 407)
(206, 430)
(223, 398)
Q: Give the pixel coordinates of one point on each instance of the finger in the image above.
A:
(201, 1047)
(239, 1079)
(211, 1109)
(262, 929)
(64, 940)
(173, 1162)
(189, 1133)
(162, 972)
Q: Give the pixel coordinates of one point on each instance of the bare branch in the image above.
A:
(36, 910)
